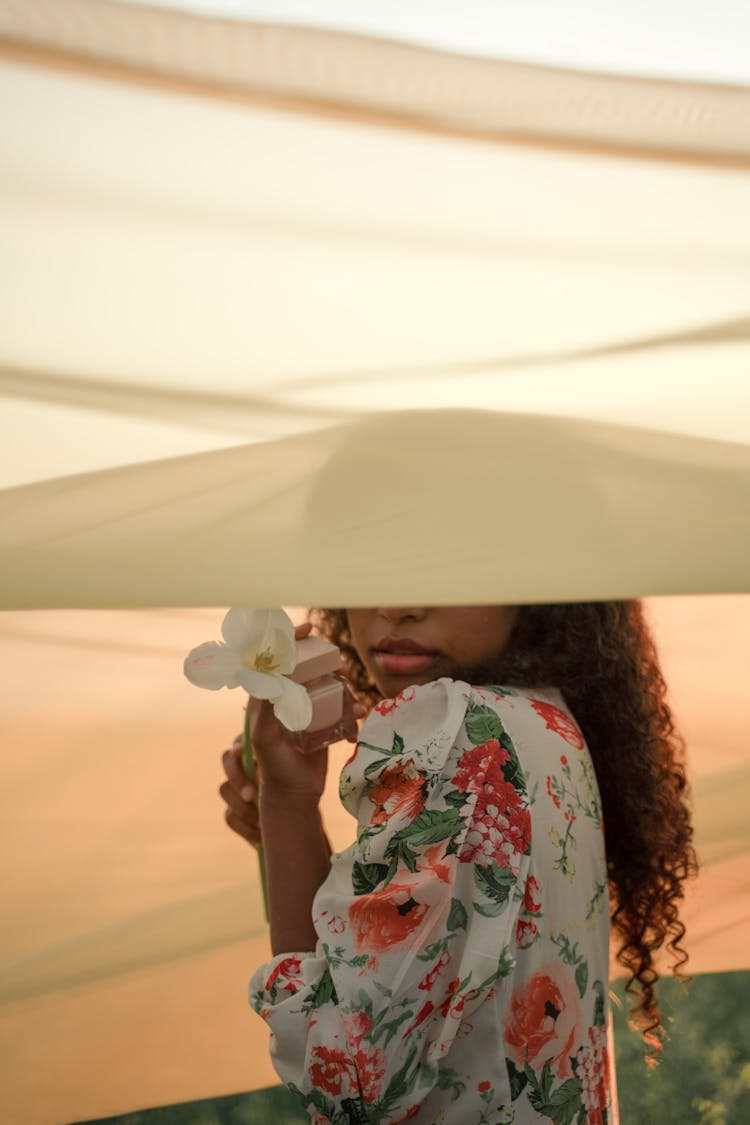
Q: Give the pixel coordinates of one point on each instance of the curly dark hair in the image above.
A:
(603, 659)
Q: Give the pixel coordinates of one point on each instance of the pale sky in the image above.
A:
(667, 38)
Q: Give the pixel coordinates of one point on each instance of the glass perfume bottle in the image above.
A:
(316, 661)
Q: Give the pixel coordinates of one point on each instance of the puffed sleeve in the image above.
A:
(415, 922)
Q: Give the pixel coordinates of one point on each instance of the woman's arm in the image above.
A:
(295, 847)
(297, 863)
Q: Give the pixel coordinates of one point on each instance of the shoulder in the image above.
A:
(428, 718)
(428, 728)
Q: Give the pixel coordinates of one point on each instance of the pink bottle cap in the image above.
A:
(315, 657)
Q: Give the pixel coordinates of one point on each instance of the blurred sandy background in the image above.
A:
(132, 916)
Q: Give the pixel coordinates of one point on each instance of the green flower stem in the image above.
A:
(248, 765)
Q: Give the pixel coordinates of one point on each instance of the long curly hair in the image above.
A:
(603, 659)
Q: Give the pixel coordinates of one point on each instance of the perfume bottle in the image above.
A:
(316, 661)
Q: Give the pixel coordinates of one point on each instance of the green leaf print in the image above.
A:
(447, 1080)
(455, 798)
(399, 852)
(388, 1028)
(398, 1085)
(324, 991)
(496, 883)
(599, 1005)
(540, 1085)
(518, 1080)
(482, 724)
(367, 876)
(500, 689)
(355, 1112)
(565, 1103)
(560, 1105)
(596, 901)
(570, 956)
(458, 919)
(512, 771)
(319, 1101)
(397, 746)
(432, 826)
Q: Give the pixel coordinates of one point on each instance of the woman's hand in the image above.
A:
(290, 765)
(239, 795)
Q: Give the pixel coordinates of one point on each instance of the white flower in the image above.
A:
(258, 653)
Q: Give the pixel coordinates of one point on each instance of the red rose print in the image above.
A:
(428, 980)
(559, 722)
(502, 825)
(483, 1087)
(544, 1023)
(286, 974)
(334, 1072)
(370, 1064)
(479, 765)
(436, 861)
(531, 903)
(357, 1025)
(501, 830)
(455, 1001)
(336, 924)
(385, 918)
(385, 706)
(592, 1068)
(427, 1009)
(400, 789)
(526, 933)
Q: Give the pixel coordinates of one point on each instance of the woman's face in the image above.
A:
(401, 645)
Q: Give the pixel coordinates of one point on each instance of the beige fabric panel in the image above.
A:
(428, 507)
(418, 86)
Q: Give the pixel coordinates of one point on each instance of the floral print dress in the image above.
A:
(460, 974)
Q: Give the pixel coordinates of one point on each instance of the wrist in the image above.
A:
(280, 800)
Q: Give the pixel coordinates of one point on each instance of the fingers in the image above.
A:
(241, 813)
(242, 828)
(302, 631)
(236, 776)
(242, 806)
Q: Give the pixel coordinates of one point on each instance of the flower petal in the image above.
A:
(284, 648)
(259, 684)
(212, 665)
(251, 631)
(293, 708)
(279, 638)
(244, 629)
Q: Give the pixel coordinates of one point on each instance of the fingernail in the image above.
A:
(247, 793)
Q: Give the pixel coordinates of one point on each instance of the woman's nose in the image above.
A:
(397, 614)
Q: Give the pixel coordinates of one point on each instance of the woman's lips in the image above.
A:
(402, 658)
(402, 663)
